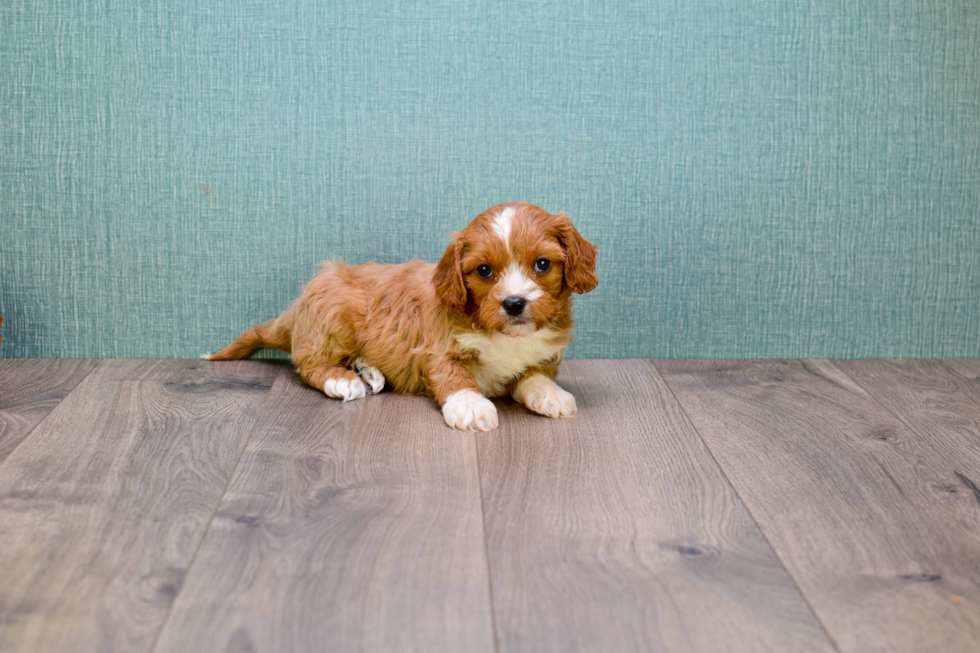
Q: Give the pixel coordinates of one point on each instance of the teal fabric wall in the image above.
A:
(766, 179)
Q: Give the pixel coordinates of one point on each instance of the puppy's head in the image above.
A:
(512, 268)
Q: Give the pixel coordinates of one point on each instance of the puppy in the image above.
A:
(493, 317)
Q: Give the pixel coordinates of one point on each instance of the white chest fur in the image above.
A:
(503, 357)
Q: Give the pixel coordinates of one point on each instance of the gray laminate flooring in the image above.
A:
(189, 506)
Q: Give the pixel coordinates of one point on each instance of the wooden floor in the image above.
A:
(189, 506)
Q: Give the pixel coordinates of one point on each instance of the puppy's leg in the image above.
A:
(542, 395)
(323, 344)
(336, 382)
(463, 407)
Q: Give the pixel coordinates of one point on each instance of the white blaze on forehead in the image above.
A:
(514, 283)
(503, 223)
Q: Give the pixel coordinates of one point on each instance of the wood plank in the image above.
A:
(849, 497)
(104, 505)
(30, 388)
(615, 531)
(347, 527)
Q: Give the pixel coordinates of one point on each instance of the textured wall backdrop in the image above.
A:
(762, 178)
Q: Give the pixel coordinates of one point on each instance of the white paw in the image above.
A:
(470, 411)
(205, 357)
(545, 397)
(344, 389)
(371, 375)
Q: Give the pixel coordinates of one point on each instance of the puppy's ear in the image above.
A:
(448, 278)
(580, 257)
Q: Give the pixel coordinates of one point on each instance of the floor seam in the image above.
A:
(873, 398)
(748, 511)
(217, 506)
(486, 546)
(45, 419)
(943, 362)
(898, 416)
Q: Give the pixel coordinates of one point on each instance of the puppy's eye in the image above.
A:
(542, 265)
(484, 271)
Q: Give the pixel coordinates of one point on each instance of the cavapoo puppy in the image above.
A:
(493, 317)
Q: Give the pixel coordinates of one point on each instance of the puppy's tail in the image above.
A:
(274, 333)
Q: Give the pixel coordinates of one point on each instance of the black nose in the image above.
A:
(514, 305)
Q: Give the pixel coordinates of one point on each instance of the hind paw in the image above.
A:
(371, 375)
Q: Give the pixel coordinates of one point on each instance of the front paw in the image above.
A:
(470, 411)
(545, 397)
(345, 389)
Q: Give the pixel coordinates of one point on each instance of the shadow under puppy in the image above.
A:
(493, 317)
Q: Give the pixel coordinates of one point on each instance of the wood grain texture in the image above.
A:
(850, 498)
(347, 527)
(615, 531)
(937, 402)
(104, 505)
(30, 389)
(941, 406)
(968, 368)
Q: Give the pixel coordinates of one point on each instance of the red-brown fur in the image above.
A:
(402, 318)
